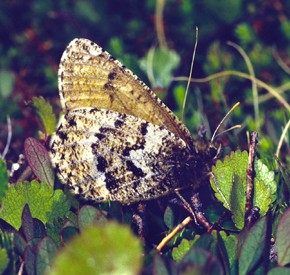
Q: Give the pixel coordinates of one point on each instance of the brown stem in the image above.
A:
(200, 217)
(173, 233)
(250, 177)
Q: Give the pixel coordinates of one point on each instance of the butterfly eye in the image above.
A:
(213, 152)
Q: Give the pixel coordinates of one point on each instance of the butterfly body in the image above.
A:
(117, 140)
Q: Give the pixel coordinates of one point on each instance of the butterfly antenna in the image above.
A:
(234, 127)
(190, 74)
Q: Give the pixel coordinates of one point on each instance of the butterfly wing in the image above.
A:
(91, 77)
(106, 155)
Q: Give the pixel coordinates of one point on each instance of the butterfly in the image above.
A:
(117, 141)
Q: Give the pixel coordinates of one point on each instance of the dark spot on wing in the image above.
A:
(144, 128)
(109, 86)
(100, 136)
(112, 76)
(62, 136)
(71, 122)
(94, 110)
(111, 182)
(139, 145)
(102, 164)
(119, 123)
(122, 116)
(137, 172)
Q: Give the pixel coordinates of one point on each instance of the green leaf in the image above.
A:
(245, 34)
(39, 228)
(204, 241)
(45, 114)
(46, 250)
(162, 266)
(7, 248)
(39, 160)
(262, 196)
(87, 11)
(231, 247)
(196, 262)
(162, 62)
(179, 94)
(279, 271)
(231, 177)
(34, 241)
(68, 233)
(222, 252)
(285, 27)
(226, 10)
(69, 223)
(238, 200)
(241, 237)
(45, 204)
(6, 83)
(109, 249)
(3, 260)
(253, 246)
(70, 197)
(224, 173)
(18, 240)
(89, 215)
(183, 234)
(29, 259)
(263, 173)
(27, 223)
(179, 252)
(169, 217)
(4, 178)
(282, 238)
(116, 47)
(54, 229)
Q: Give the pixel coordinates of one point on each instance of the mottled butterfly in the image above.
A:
(117, 141)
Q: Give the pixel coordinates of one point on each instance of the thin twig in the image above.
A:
(173, 233)
(254, 84)
(251, 175)
(220, 191)
(240, 74)
(190, 74)
(252, 217)
(149, 67)
(280, 62)
(9, 137)
(280, 90)
(282, 138)
(187, 206)
(159, 24)
(26, 174)
(197, 208)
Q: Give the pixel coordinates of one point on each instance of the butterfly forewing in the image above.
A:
(105, 155)
(91, 77)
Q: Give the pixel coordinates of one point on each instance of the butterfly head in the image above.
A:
(205, 153)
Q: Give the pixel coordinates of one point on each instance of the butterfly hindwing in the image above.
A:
(105, 155)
